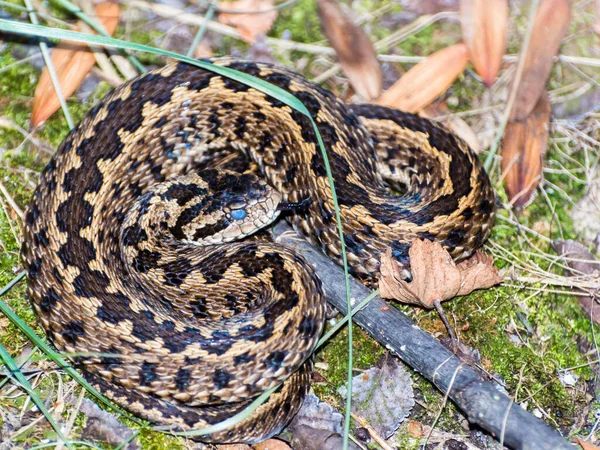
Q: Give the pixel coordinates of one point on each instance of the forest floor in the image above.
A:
(531, 335)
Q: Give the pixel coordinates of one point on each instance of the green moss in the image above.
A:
(154, 440)
(301, 20)
(365, 351)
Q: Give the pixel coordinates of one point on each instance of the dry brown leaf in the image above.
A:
(523, 150)
(272, 444)
(484, 29)
(435, 276)
(549, 27)
(353, 48)
(596, 26)
(415, 429)
(427, 80)
(72, 63)
(250, 25)
(581, 261)
(477, 272)
(585, 445)
(309, 438)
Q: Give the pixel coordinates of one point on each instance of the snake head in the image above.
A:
(208, 207)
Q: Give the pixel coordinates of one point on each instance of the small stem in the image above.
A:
(438, 306)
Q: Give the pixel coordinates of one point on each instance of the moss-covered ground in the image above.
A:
(526, 334)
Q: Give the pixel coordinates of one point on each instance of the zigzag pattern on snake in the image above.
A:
(194, 332)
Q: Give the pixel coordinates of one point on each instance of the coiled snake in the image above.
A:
(128, 256)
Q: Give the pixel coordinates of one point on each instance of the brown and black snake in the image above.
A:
(129, 240)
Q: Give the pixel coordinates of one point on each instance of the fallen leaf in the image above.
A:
(582, 262)
(585, 445)
(353, 48)
(252, 24)
(435, 276)
(72, 63)
(549, 27)
(415, 429)
(484, 28)
(596, 26)
(317, 415)
(421, 8)
(272, 444)
(308, 438)
(427, 80)
(523, 150)
(103, 426)
(382, 396)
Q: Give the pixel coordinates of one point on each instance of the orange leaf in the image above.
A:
(72, 63)
(427, 80)
(585, 445)
(596, 26)
(272, 444)
(484, 27)
(251, 25)
(549, 27)
(435, 276)
(353, 48)
(523, 152)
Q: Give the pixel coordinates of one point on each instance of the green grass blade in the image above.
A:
(54, 356)
(74, 9)
(257, 83)
(12, 26)
(51, 70)
(23, 382)
(232, 421)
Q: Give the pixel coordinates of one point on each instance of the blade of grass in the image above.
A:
(202, 30)
(257, 83)
(227, 423)
(80, 14)
(343, 322)
(54, 356)
(51, 70)
(513, 93)
(23, 382)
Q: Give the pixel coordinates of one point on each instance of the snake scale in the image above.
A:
(129, 239)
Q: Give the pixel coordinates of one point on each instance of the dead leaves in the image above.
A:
(72, 64)
(484, 25)
(250, 24)
(526, 135)
(523, 153)
(270, 444)
(427, 80)
(353, 49)
(435, 276)
(581, 263)
(549, 27)
(585, 445)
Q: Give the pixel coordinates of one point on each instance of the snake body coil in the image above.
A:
(115, 252)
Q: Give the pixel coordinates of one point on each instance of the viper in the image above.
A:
(131, 238)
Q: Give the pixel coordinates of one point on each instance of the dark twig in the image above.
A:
(477, 398)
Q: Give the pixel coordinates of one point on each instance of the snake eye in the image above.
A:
(238, 214)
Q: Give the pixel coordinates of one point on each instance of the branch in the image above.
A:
(477, 398)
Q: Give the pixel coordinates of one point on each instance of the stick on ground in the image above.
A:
(477, 398)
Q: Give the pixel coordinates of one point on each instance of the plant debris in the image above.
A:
(435, 276)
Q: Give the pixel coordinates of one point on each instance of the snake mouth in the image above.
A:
(295, 206)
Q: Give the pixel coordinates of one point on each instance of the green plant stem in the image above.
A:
(53, 76)
(202, 30)
(74, 9)
(257, 83)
